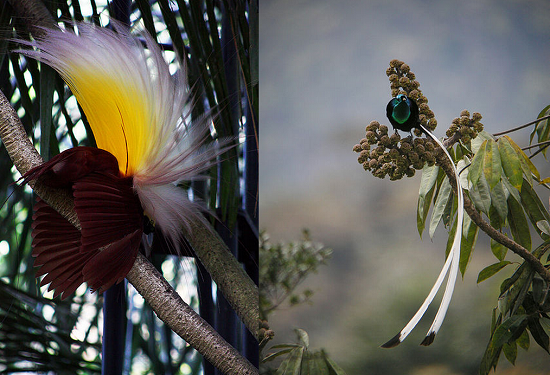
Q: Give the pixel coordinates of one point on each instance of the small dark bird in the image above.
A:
(402, 112)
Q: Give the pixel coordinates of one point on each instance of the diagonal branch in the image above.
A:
(488, 229)
(239, 290)
(160, 295)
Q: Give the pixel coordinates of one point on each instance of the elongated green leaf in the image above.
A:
(445, 192)
(147, 16)
(449, 209)
(544, 227)
(535, 209)
(499, 200)
(293, 363)
(545, 323)
(287, 346)
(425, 194)
(538, 333)
(510, 162)
(539, 289)
(47, 87)
(527, 166)
(510, 190)
(523, 340)
(481, 195)
(320, 365)
(469, 239)
(494, 218)
(543, 131)
(477, 142)
(510, 351)
(463, 167)
(278, 353)
(498, 250)
(492, 353)
(303, 337)
(333, 367)
(519, 291)
(452, 232)
(492, 167)
(535, 128)
(308, 363)
(510, 328)
(489, 271)
(429, 178)
(518, 224)
(490, 359)
(477, 166)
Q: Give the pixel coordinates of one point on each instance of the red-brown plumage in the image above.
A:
(56, 248)
(67, 167)
(110, 215)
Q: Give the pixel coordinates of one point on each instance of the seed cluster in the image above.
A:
(390, 155)
(467, 127)
(403, 81)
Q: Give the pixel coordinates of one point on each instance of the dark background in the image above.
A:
(322, 72)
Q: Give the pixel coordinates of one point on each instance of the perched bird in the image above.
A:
(402, 112)
(146, 145)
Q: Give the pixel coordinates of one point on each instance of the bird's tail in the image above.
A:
(451, 263)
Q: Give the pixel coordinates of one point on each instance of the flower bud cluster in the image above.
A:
(390, 155)
(403, 81)
(467, 126)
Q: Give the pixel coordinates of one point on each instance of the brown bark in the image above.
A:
(236, 286)
(496, 235)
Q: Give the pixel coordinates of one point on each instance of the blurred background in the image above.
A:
(322, 72)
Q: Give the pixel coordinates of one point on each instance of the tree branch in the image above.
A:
(238, 289)
(234, 283)
(522, 126)
(496, 235)
(160, 295)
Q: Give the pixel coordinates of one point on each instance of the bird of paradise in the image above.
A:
(137, 112)
(402, 112)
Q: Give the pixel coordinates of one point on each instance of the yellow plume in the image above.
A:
(129, 98)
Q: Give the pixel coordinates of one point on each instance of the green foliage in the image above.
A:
(32, 342)
(542, 130)
(299, 360)
(283, 267)
(501, 181)
(522, 312)
(190, 32)
(500, 184)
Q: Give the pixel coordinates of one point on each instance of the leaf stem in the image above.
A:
(522, 126)
(488, 229)
(545, 144)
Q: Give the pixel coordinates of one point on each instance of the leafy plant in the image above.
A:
(283, 266)
(300, 360)
(500, 198)
(217, 41)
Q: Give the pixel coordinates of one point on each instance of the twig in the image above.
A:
(521, 126)
(545, 144)
(160, 295)
(240, 291)
(488, 229)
